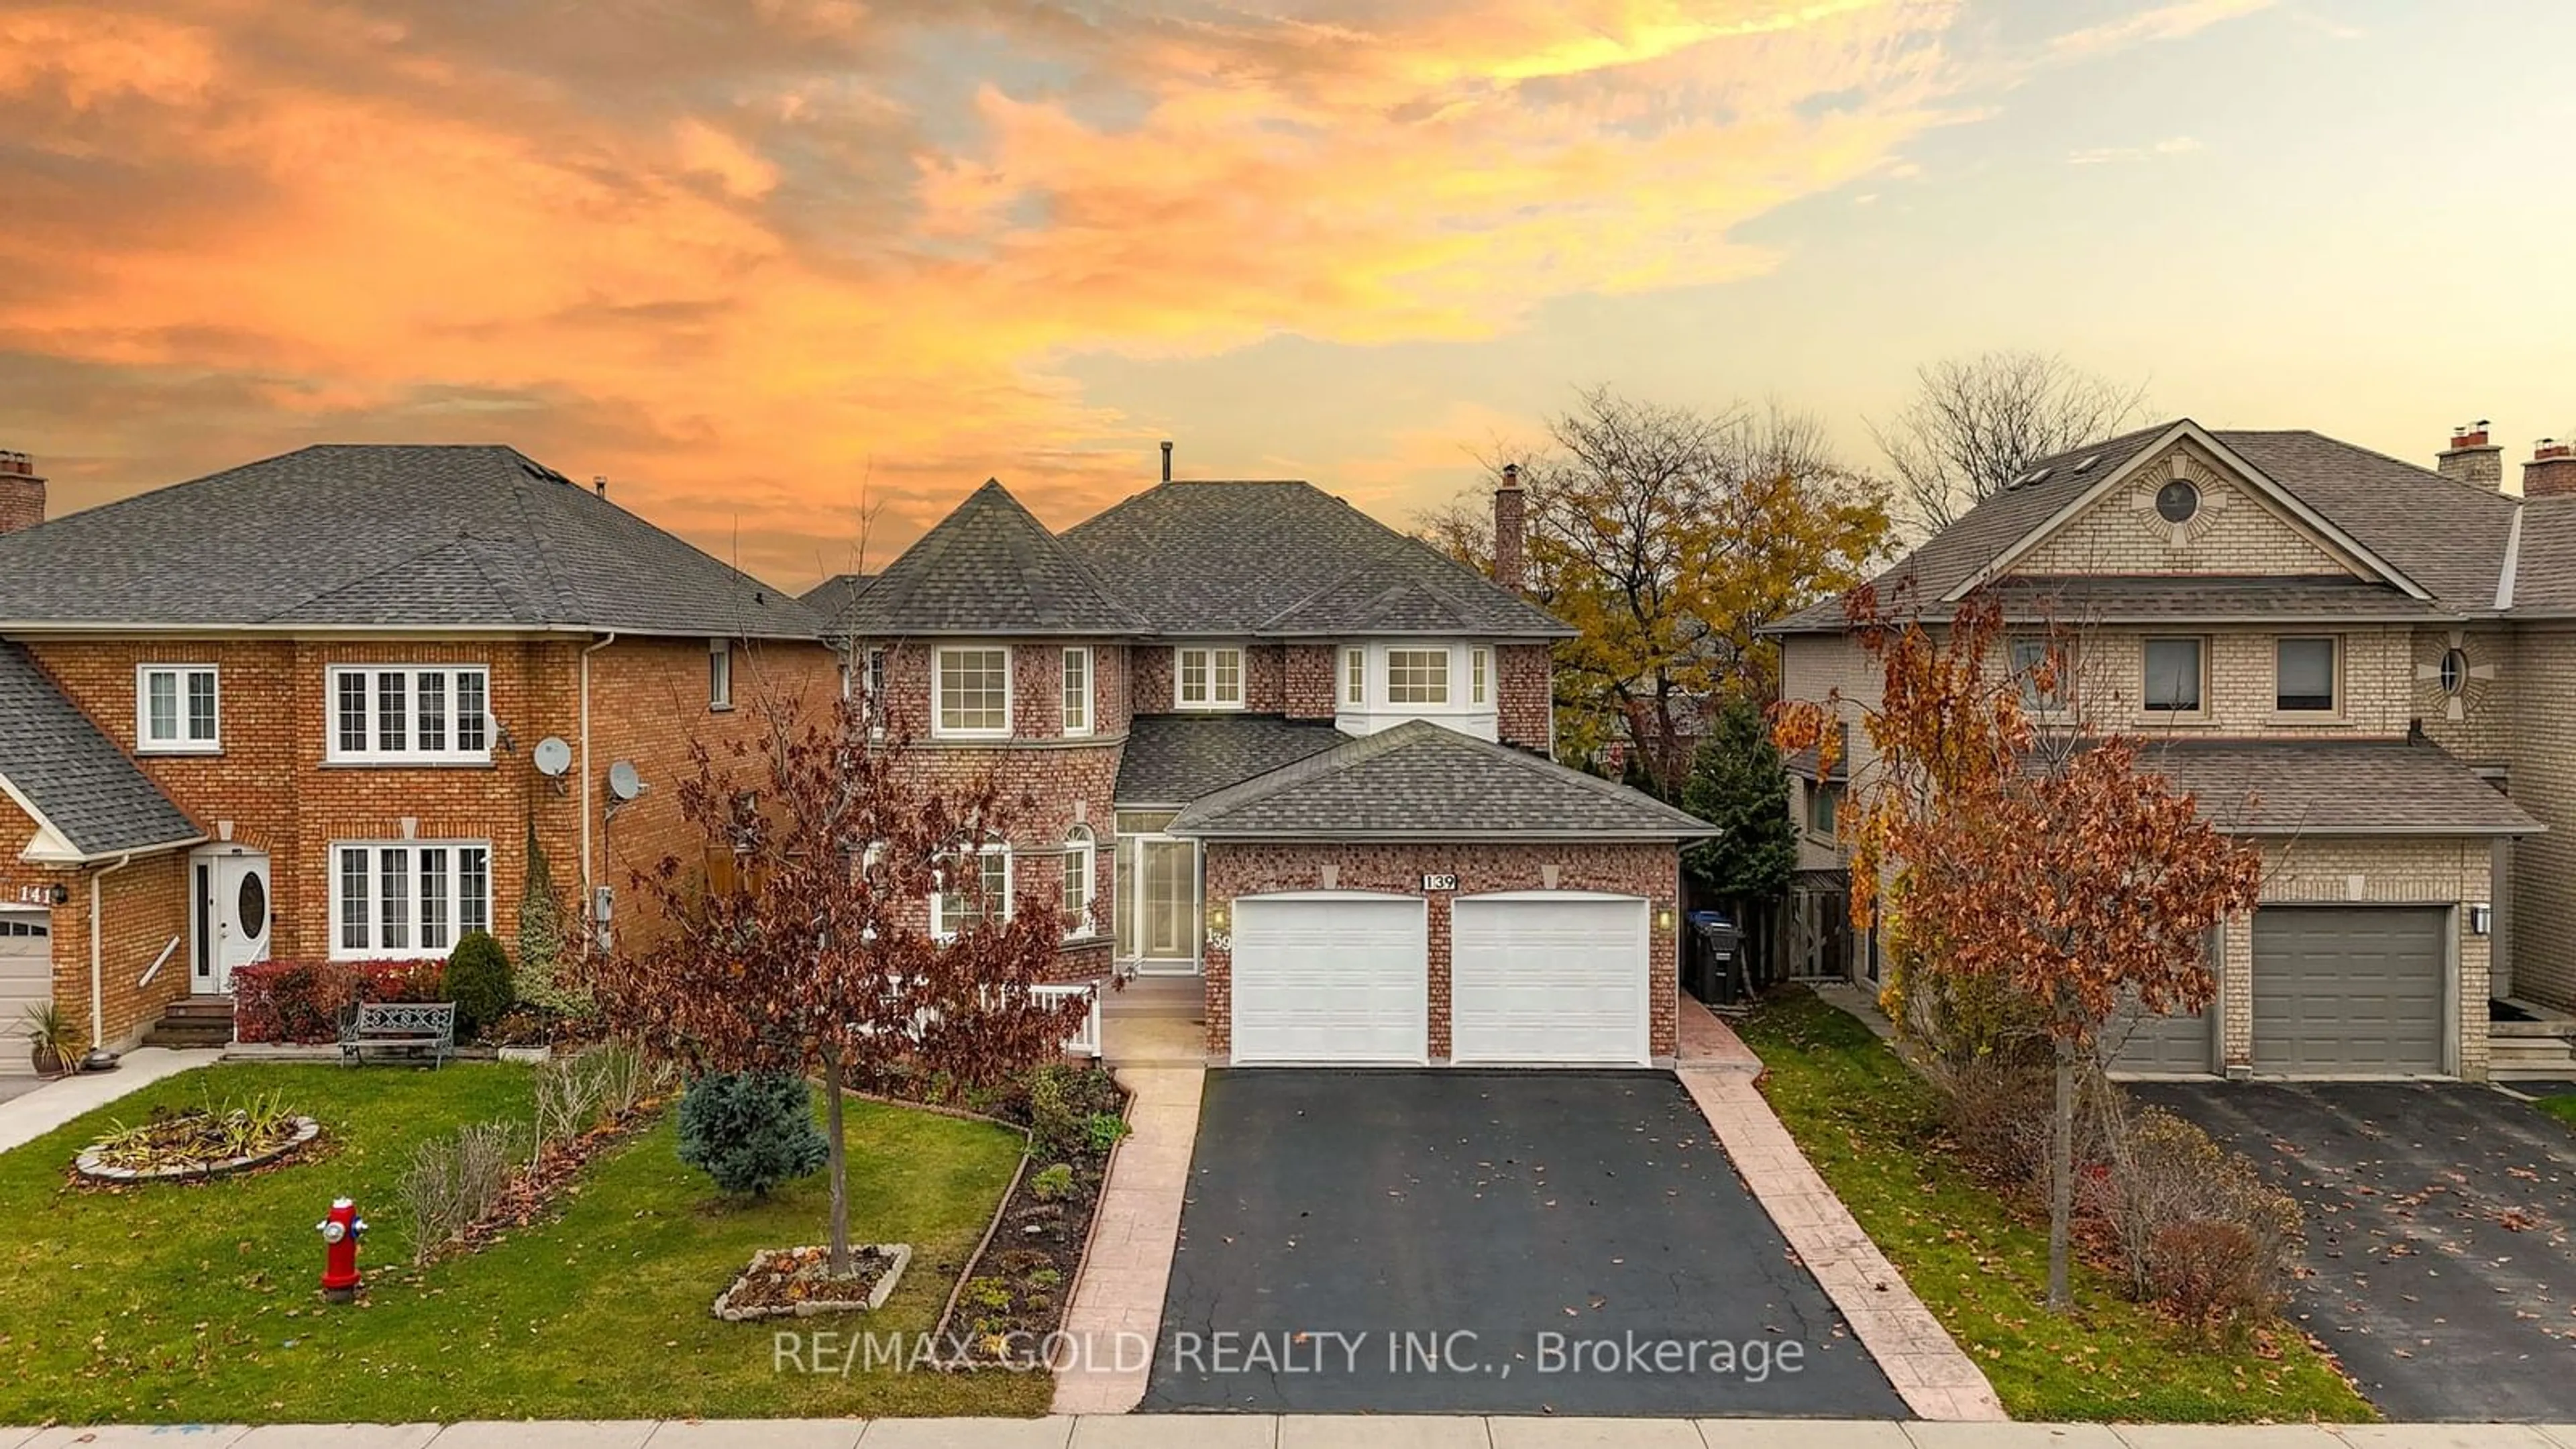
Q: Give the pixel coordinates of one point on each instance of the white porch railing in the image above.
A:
(1085, 1042)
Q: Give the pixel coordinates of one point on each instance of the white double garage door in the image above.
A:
(1555, 977)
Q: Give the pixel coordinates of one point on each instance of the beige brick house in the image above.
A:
(1291, 773)
(2361, 664)
(315, 707)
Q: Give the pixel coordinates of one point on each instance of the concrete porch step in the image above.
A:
(1171, 998)
(193, 1021)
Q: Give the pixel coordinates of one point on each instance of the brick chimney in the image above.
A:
(2551, 473)
(22, 493)
(1511, 529)
(2471, 459)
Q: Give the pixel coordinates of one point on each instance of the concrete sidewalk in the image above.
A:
(1298, 1431)
(31, 1115)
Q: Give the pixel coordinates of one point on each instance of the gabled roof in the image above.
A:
(1286, 559)
(989, 567)
(1172, 759)
(1422, 781)
(2336, 787)
(366, 535)
(87, 797)
(2413, 526)
(830, 600)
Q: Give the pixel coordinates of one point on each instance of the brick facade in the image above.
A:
(1525, 698)
(2236, 531)
(2540, 689)
(1236, 869)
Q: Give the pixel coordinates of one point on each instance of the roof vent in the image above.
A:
(2089, 460)
(599, 484)
(2035, 477)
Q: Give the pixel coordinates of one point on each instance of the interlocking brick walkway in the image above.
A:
(1935, 1379)
(1120, 1295)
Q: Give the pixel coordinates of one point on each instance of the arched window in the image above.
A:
(1080, 879)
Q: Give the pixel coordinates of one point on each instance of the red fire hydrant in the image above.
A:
(340, 1233)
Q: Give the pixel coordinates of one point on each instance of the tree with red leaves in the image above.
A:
(802, 940)
(2032, 854)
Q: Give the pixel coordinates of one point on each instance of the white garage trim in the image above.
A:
(1557, 977)
(26, 980)
(1331, 976)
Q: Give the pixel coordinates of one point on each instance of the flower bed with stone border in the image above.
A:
(794, 1282)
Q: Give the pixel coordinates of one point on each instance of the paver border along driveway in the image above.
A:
(2438, 1217)
(1345, 1226)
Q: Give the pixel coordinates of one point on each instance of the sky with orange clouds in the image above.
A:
(761, 261)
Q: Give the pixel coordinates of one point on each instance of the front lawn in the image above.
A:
(1980, 1261)
(196, 1303)
(2562, 1107)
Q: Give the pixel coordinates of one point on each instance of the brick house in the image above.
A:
(2366, 667)
(1292, 774)
(317, 707)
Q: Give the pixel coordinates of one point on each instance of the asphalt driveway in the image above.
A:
(1487, 1242)
(2441, 1271)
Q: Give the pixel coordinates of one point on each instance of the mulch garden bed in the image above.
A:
(798, 1282)
(1015, 1289)
(535, 1193)
(193, 1144)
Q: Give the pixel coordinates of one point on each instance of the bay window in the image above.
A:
(1417, 676)
(411, 898)
(409, 715)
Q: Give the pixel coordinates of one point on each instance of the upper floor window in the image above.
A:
(1207, 678)
(719, 674)
(1354, 676)
(1417, 676)
(2174, 675)
(408, 898)
(407, 714)
(1077, 691)
(175, 709)
(1478, 664)
(971, 691)
(1081, 881)
(964, 908)
(2304, 676)
(2041, 677)
(1824, 802)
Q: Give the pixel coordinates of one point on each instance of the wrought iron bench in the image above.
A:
(406, 1027)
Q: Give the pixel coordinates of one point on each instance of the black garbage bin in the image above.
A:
(1717, 959)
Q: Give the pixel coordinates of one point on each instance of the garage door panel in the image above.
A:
(2163, 1045)
(2349, 989)
(1330, 980)
(26, 979)
(1560, 979)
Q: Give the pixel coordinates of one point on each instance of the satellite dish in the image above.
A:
(623, 782)
(553, 756)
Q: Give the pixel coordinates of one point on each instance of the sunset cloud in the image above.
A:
(760, 260)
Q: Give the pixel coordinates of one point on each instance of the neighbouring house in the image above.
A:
(1291, 770)
(2366, 667)
(317, 707)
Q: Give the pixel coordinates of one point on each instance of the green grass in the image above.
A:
(2562, 1107)
(1980, 1261)
(199, 1303)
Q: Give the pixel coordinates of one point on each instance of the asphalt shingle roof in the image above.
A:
(74, 775)
(1172, 759)
(830, 600)
(2337, 787)
(365, 534)
(2544, 576)
(990, 567)
(1422, 781)
(1288, 559)
(2448, 537)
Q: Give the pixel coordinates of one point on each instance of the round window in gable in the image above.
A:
(253, 906)
(2177, 501)
(2455, 671)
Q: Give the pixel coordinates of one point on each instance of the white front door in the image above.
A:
(232, 915)
(1332, 977)
(1167, 906)
(1549, 976)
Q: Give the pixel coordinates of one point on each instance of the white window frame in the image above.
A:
(1081, 863)
(1479, 674)
(938, 710)
(451, 753)
(183, 743)
(940, 930)
(719, 674)
(1395, 699)
(1207, 667)
(1079, 708)
(2200, 709)
(1355, 676)
(411, 949)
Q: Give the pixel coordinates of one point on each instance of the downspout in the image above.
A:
(603, 643)
(97, 988)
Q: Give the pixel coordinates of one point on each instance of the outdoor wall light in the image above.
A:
(1663, 918)
(2481, 918)
(1216, 916)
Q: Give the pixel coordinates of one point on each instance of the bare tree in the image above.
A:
(1976, 424)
